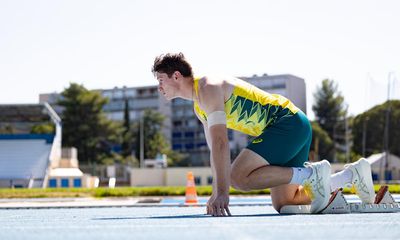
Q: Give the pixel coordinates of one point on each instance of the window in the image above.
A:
(189, 145)
(375, 176)
(201, 145)
(176, 134)
(64, 182)
(118, 93)
(130, 93)
(177, 146)
(279, 85)
(77, 182)
(146, 103)
(154, 92)
(53, 183)
(189, 134)
(177, 123)
(197, 180)
(209, 180)
(388, 175)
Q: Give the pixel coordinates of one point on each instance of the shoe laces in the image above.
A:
(360, 185)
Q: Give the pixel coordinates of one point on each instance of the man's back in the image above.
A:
(248, 109)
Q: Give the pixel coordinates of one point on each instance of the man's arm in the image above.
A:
(212, 101)
(220, 158)
(208, 141)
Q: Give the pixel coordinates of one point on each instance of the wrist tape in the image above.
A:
(217, 117)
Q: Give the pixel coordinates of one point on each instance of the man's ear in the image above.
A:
(177, 75)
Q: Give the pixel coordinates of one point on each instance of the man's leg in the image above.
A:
(276, 158)
(359, 175)
(251, 172)
(289, 194)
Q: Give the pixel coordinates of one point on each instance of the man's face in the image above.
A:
(167, 86)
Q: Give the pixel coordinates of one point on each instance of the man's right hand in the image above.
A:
(217, 205)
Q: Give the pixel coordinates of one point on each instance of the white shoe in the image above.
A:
(361, 181)
(317, 186)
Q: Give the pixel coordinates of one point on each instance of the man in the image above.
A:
(275, 158)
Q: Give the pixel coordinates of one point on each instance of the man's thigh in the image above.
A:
(283, 141)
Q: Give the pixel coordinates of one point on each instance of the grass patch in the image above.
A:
(44, 193)
(130, 192)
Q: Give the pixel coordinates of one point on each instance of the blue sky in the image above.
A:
(45, 45)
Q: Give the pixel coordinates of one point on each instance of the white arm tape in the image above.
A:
(217, 117)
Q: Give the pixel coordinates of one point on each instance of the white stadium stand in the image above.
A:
(25, 157)
(22, 160)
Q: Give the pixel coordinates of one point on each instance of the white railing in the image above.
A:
(55, 152)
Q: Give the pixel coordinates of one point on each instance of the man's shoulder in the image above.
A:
(212, 81)
(206, 84)
(211, 93)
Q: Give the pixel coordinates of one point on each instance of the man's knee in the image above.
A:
(239, 182)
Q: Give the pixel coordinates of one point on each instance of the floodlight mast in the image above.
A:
(391, 80)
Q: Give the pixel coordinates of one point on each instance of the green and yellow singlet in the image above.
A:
(250, 110)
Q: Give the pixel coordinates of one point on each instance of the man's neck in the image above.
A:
(188, 89)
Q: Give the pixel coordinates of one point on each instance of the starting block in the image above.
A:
(384, 203)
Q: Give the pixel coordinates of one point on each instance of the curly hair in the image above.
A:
(171, 62)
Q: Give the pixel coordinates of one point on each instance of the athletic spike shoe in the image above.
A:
(317, 186)
(361, 182)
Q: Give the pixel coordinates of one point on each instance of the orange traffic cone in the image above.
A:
(191, 195)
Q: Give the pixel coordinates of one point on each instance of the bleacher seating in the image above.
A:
(22, 160)
(25, 157)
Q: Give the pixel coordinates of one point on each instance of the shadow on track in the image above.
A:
(189, 216)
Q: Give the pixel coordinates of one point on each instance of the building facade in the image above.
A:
(182, 129)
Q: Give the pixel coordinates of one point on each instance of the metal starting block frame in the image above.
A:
(384, 203)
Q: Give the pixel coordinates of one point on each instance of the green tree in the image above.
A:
(85, 126)
(330, 113)
(43, 128)
(154, 140)
(368, 129)
(329, 107)
(127, 136)
(322, 144)
(127, 140)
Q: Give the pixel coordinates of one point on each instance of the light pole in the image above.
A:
(364, 138)
(346, 135)
(391, 79)
(141, 142)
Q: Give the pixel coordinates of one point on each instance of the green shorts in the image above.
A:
(285, 143)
